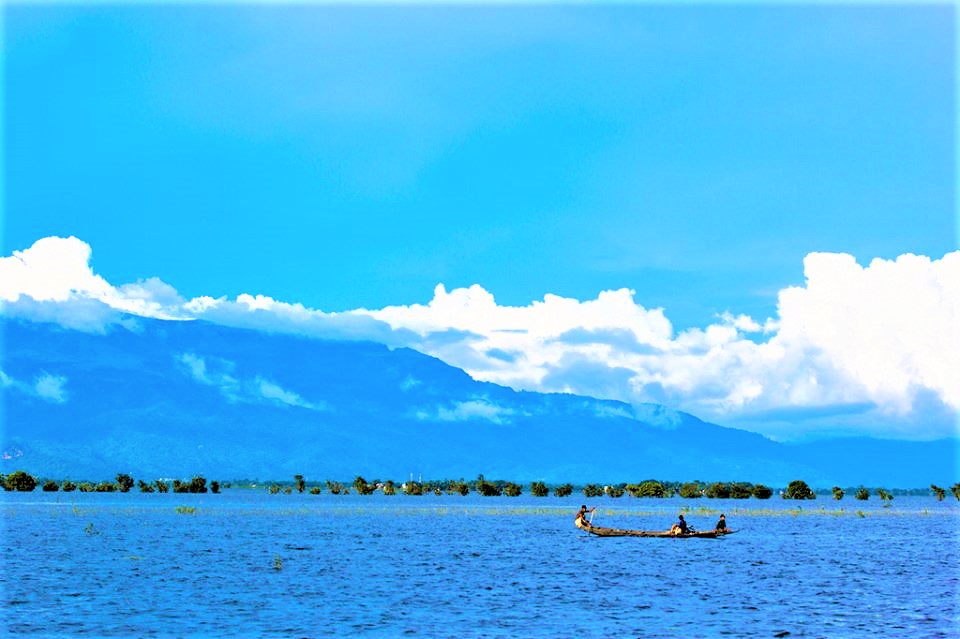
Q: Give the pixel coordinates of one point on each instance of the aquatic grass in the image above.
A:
(186, 510)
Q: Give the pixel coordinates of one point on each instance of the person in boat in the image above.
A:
(582, 514)
(721, 527)
(680, 526)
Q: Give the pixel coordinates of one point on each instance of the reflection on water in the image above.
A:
(254, 565)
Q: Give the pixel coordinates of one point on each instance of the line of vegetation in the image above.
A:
(797, 489)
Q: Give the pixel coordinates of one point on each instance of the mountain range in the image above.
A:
(162, 398)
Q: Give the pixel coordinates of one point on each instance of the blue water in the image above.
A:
(248, 564)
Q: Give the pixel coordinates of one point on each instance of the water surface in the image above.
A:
(248, 564)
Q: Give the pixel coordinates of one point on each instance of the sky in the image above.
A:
(745, 211)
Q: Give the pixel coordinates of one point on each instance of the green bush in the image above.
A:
(105, 487)
(362, 487)
(124, 482)
(740, 490)
(162, 486)
(539, 489)
(862, 494)
(50, 486)
(649, 488)
(215, 487)
(593, 490)
(798, 489)
(412, 488)
(717, 490)
(939, 492)
(68, 486)
(512, 490)
(487, 488)
(197, 485)
(884, 495)
(300, 484)
(691, 490)
(314, 490)
(85, 487)
(145, 487)
(20, 481)
(614, 491)
(563, 490)
(762, 492)
(955, 489)
(837, 493)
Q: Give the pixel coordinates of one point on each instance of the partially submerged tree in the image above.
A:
(649, 488)
(592, 490)
(563, 490)
(862, 494)
(762, 492)
(691, 490)
(837, 493)
(511, 489)
(124, 482)
(939, 492)
(717, 490)
(20, 481)
(50, 486)
(539, 489)
(301, 485)
(798, 489)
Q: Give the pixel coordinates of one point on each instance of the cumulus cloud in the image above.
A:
(884, 338)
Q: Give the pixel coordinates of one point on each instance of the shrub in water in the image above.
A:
(124, 482)
(592, 490)
(690, 490)
(717, 490)
(798, 489)
(862, 494)
(740, 490)
(539, 489)
(68, 486)
(563, 490)
(837, 493)
(50, 486)
(20, 481)
(512, 490)
(615, 491)
(762, 492)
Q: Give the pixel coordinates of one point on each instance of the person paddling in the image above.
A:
(582, 515)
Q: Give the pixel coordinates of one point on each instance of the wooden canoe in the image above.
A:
(600, 531)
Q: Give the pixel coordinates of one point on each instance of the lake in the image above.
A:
(249, 564)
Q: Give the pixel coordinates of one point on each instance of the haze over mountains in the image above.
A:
(160, 398)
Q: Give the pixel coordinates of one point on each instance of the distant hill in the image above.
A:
(174, 399)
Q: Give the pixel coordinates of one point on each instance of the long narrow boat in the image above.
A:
(600, 531)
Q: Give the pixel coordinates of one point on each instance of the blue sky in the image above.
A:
(356, 157)
(743, 211)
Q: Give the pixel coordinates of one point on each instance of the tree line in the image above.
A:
(797, 489)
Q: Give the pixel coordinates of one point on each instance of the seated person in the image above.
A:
(680, 527)
(721, 526)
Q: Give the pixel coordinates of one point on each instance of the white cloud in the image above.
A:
(875, 348)
(220, 374)
(49, 388)
(273, 391)
(477, 408)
